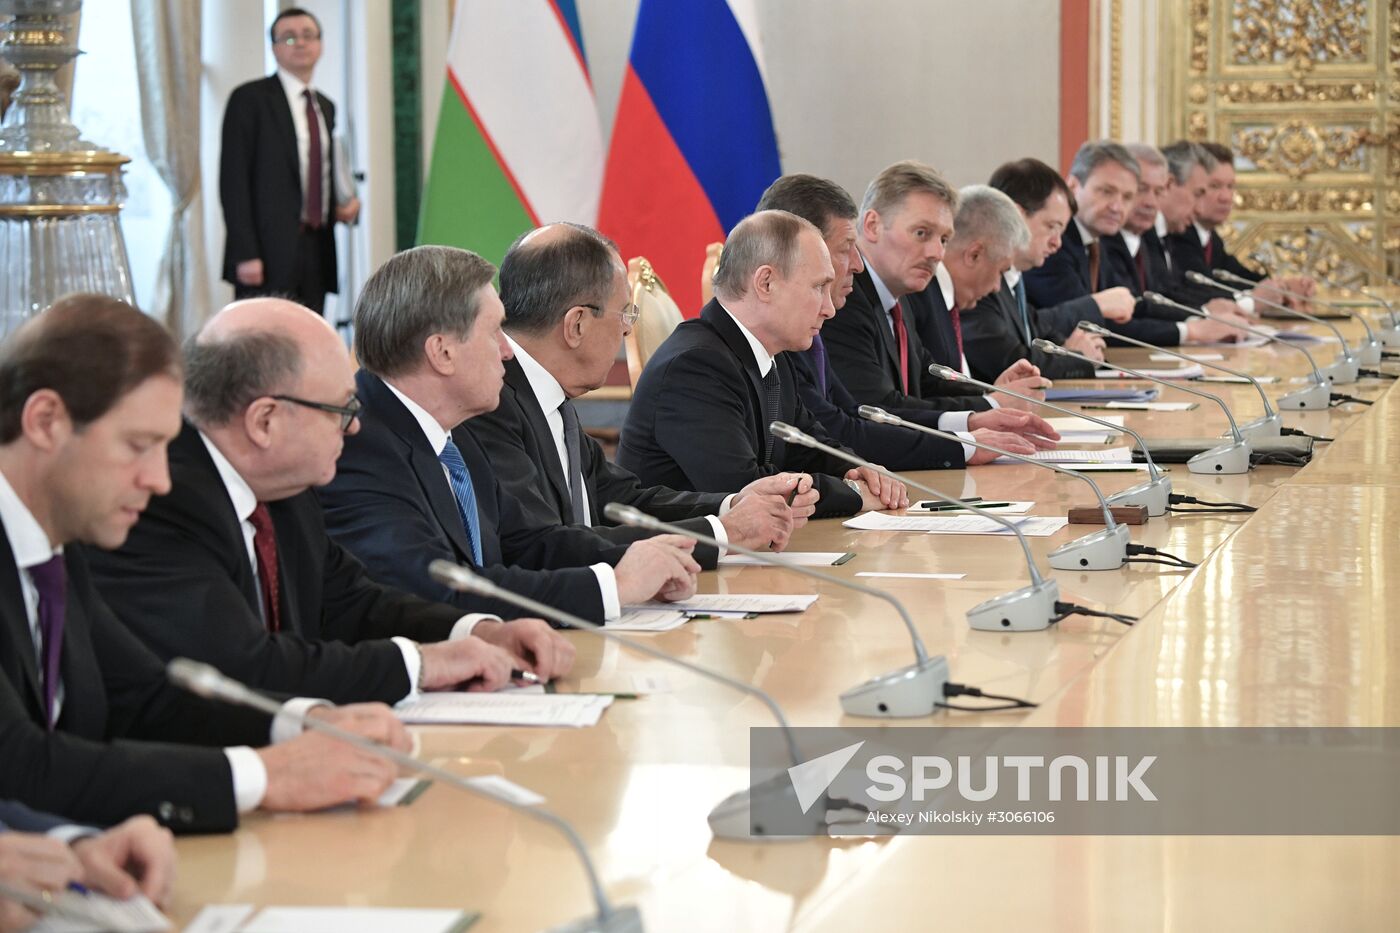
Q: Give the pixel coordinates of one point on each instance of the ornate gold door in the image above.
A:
(1308, 94)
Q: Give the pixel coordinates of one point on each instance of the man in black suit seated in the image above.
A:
(999, 330)
(1201, 249)
(568, 308)
(41, 853)
(701, 410)
(828, 207)
(1135, 258)
(906, 220)
(415, 485)
(90, 727)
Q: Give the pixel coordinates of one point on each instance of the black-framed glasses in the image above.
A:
(630, 314)
(348, 412)
(294, 39)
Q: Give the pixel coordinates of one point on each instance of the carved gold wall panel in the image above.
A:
(1308, 94)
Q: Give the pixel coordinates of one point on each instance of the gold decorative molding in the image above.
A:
(1115, 69)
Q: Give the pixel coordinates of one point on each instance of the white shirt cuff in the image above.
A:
(464, 626)
(286, 725)
(249, 778)
(607, 586)
(719, 534)
(954, 422)
(727, 504)
(1181, 331)
(991, 400)
(70, 833)
(968, 449)
(1246, 303)
(412, 665)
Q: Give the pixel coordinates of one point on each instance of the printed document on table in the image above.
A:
(641, 619)
(733, 602)
(1180, 372)
(1033, 526)
(94, 913)
(938, 508)
(1151, 406)
(874, 521)
(1198, 357)
(567, 710)
(1073, 425)
(800, 558)
(357, 920)
(1108, 455)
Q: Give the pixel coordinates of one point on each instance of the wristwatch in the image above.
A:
(854, 484)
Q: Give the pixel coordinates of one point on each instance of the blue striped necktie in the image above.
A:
(465, 495)
(1019, 290)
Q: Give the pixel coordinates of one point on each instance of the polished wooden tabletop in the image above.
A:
(1283, 623)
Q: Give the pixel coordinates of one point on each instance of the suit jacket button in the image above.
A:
(165, 811)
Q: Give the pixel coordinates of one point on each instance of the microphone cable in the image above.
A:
(1207, 507)
(1377, 374)
(1157, 557)
(1295, 432)
(1339, 398)
(951, 689)
(1065, 610)
(1278, 458)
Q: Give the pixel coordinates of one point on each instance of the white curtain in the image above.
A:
(167, 37)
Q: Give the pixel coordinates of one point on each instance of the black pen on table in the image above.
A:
(791, 497)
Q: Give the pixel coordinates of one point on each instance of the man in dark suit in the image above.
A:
(905, 222)
(701, 410)
(568, 307)
(277, 177)
(42, 852)
(414, 484)
(89, 724)
(234, 567)
(1201, 249)
(828, 207)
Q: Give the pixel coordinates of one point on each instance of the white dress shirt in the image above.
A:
(293, 87)
(550, 395)
(953, 422)
(437, 437)
(30, 546)
(1245, 301)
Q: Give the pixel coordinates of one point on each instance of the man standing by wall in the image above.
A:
(276, 181)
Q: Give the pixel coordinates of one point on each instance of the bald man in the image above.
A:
(234, 566)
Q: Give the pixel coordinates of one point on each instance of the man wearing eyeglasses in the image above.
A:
(568, 307)
(234, 566)
(276, 181)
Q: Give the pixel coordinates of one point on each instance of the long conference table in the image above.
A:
(1284, 623)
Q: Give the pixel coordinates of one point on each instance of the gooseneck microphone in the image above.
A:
(1227, 458)
(206, 681)
(1025, 610)
(1101, 550)
(1155, 494)
(730, 819)
(1270, 424)
(1342, 371)
(1315, 398)
(1367, 351)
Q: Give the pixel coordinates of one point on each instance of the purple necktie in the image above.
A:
(51, 580)
(315, 207)
(819, 361)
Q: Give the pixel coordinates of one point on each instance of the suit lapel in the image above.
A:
(517, 383)
(205, 484)
(17, 626)
(282, 119)
(866, 285)
(719, 320)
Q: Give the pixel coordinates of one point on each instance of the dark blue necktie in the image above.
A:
(51, 580)
(465, 495)
(1019, 290)
(819, 361)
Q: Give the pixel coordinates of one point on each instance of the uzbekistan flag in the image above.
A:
(518, 142)
(693, 146)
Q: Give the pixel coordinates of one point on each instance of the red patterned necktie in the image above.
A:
(1210, 250)
(1141, 268)
(901, 338)
(315, 206)
(957, 333)
(265, 547)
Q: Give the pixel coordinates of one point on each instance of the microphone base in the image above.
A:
(1102, 550)
(1029, 609)
(1342, 372)
(910, 691)
(733, 819)
(1261, 428)
(1313, 398)
(1229, 458)
(1154, 494)
(1390, 336)
(622, 920)
(1369, 353)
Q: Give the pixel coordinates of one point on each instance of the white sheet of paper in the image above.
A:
(1083, 424)
(504, 709)
(874, 521)
(1087, 437)
(1199, 357)
(504, 787)
(104, 915)
(735, 602)
(220, 918)
(911, 576)
(639, 684)
(1107, 455)
(1238, 380)
(1032, 526)
(1179, 372)
(1106, 467)
(1246, 340)
(800, 558)
(1010, 508)
(1151, 406)
(639, 619)
(353, 920)
(398, 790)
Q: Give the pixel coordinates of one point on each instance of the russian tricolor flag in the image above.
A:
(693, 146)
